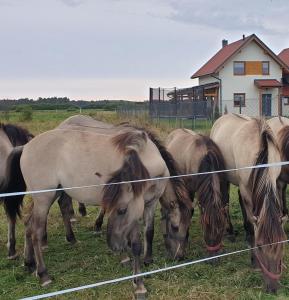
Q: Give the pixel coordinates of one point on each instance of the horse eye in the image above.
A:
(121, 211)
(175, 228)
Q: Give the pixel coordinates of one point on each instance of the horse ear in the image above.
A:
(284, 219)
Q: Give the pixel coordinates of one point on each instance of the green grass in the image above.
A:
(90, 260)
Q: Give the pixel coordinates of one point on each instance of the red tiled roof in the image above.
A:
(218, 60)
(285, 90)
(260, 83)
(284, 55)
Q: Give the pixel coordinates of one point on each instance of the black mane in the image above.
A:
(17, 135)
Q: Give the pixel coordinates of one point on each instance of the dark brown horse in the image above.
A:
(11, 180)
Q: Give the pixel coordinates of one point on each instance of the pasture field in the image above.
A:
(90, 260)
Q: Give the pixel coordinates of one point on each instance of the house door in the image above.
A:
(266, 104)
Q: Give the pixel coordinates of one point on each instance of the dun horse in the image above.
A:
(280, 128)
(197, 153)
(244, 142)
(11, 180)
(65, 158)
(176, 205)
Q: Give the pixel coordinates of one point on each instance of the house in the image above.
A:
(246, 76)
(284, 56)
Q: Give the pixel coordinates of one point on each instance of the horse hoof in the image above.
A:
(44, 247)
(46, 282)
(148, 261)
(13, 257)
(97, 232)
(140, 294)
(125, 261)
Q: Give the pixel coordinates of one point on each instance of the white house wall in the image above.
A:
(207, 80)
(245, 83)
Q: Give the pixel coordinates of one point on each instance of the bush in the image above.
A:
(26, 114)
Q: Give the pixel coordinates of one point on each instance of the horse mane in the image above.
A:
(211, 198)
(283, 137)
(266, 202)
(16, 134)
(128, 143)
(178, 183)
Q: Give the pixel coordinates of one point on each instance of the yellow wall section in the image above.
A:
(253, 68)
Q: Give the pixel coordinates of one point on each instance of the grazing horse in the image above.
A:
(280, 128)
(245, 142)
(176, 205)
(198, 153)
(67, 158)
(11, 180)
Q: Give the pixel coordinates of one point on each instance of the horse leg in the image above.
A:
(246, 208)
(99, 220)
(38, 223)
(11, 238)
(229, 226)
(247, 225)
(136, 247)
(283, 187)
(65, 204)
(82, 209)
(29, 259)
(149, 212)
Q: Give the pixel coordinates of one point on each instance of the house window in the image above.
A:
(239, 68)
(265, 67)
(286, 100)
(239, 100)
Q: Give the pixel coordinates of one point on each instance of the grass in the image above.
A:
(90, 260)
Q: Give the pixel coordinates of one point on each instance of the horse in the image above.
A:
(246, 141)
(67, 158)
(176, 206)
(280, 128)
(198, 153)
(11, 139)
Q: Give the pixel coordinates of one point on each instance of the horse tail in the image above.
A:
(14, 183)
(130, 144)
(267, 205)
(212, 188)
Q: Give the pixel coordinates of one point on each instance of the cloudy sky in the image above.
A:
(117, 49)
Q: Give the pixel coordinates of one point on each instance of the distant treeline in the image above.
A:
(53, 103)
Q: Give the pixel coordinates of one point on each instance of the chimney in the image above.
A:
(224, 43)
(243, 37)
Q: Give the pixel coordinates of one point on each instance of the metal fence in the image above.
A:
(178, 108)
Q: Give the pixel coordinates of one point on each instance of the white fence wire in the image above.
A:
(116, 280)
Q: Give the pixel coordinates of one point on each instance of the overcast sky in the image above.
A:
(117, 49)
